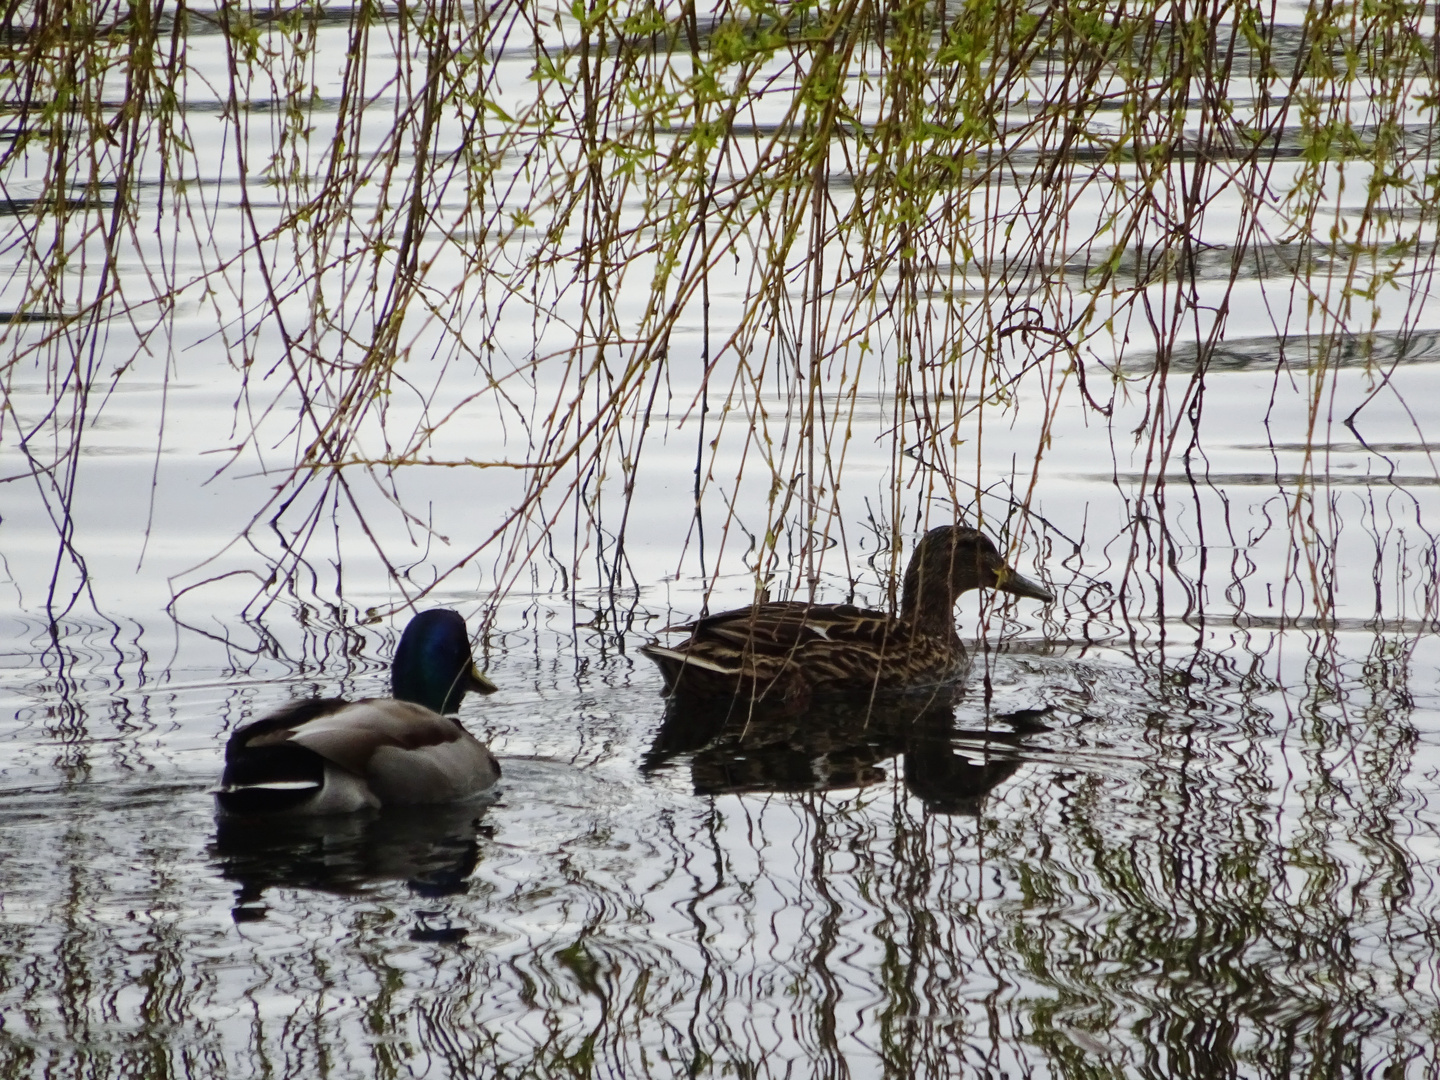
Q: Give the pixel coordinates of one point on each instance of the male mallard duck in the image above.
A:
(332, 756)
(785, 652)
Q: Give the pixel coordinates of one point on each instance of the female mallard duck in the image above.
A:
(785, 652)
(332, 756)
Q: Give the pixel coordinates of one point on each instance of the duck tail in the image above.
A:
(269, 779)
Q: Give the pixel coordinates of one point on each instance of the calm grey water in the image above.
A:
(1185, 821)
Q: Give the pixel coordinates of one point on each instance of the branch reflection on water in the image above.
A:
(432, 850)
(734, 748)
(1203, 858)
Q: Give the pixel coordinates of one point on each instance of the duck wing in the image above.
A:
(798, 647)
(406, 753)
(779, 643)
(785, 628)
(352, 736)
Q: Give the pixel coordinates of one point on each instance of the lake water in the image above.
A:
(1184, 822)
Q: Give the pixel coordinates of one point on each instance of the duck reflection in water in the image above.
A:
(736, 747)
(433, 850)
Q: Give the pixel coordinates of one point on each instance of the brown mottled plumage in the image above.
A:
(783, 653)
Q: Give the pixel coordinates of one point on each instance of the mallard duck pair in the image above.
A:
(328, 755)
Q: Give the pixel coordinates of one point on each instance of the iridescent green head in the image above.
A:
(433, 663)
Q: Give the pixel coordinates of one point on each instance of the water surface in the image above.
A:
(1183, 822)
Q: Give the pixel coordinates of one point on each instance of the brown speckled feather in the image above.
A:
(788, 650)
(785, 652)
